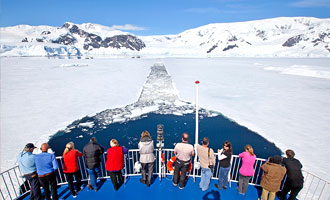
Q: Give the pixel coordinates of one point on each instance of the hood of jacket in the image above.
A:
(146, 140)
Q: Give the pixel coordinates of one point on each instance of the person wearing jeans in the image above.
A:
(224, 156)
(223, 178)
(205, 178)
(92, 152)
(93, 173)
(207, 161)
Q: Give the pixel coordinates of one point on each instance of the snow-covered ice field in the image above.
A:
(285, 100)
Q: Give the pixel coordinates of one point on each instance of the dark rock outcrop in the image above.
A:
(95, 41)
(45, 33)
(293, 41)
(66, 39)
(118, 41)
(232, 39)
(212, 48)
(262, 34)
(230, 47)
(25, 40)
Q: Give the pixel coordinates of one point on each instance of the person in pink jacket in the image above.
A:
(247, 170)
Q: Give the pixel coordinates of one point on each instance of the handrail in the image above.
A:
(13, 185)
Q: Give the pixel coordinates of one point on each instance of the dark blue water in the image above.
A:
(218, 129)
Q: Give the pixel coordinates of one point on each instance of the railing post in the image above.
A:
(6, 186)
(324, 189)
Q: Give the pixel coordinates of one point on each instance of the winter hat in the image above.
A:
(277, 159)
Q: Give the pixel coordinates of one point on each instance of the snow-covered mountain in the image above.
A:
(277, 37)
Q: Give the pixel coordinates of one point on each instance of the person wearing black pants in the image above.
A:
(294, 181)
(289, 187)
(114, 176)
(35, 192)
(69, 177)
(182, 166)
(115, 163)
(27, 166)
(49, 180)
(183, 151)
(46, 165)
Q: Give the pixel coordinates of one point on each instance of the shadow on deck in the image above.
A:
(133, 189)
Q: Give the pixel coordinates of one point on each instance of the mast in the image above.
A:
(196, 131)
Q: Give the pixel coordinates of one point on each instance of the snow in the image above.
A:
(286, 100)
(303, 70)
(260, 38)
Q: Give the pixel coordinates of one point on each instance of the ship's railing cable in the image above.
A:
(13, 185)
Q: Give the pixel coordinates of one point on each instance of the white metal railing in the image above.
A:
(13, 185)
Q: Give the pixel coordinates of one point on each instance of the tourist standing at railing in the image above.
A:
(27, 165)
(246, 171)
(294, 181)
(207, 161)
(92, 152)
(71, 167)
(272, 178)
(46, 164)
(115, 163)
(224, 156)
(147, 157)
(183, 152)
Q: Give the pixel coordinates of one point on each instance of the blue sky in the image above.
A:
(154, 17)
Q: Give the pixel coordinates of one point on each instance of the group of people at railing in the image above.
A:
(40, 168)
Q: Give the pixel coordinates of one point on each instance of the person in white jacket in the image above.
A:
(147, 157)
(224, 156)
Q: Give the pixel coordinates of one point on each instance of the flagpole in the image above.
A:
(196, 129)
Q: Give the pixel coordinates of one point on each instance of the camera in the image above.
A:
(211, 167)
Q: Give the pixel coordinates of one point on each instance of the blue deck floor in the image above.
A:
(133, 189)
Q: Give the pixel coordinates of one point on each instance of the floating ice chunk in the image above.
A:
(87, 124)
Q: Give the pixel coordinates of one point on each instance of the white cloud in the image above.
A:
(312, 3)
(127, 27)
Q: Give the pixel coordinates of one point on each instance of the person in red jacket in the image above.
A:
(71, 167)
(115, 163)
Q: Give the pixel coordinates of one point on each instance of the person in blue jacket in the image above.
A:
(27, 165)
(46, 164)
